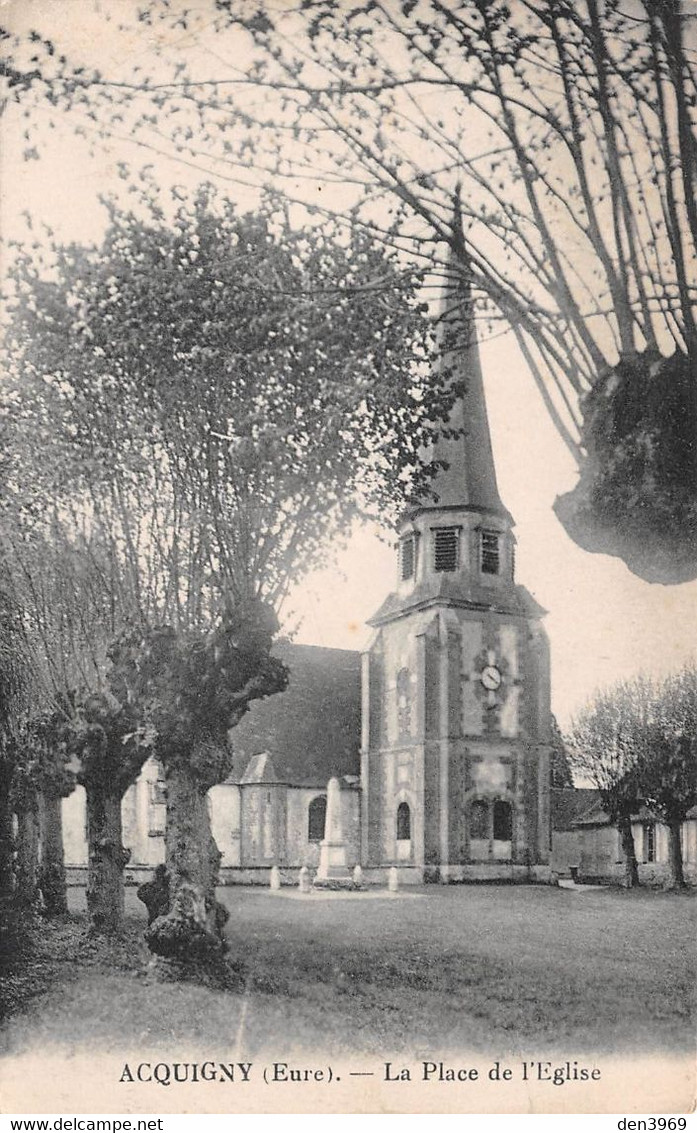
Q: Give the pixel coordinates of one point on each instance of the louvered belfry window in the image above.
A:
(446, 541)
(407, 557)
(491, 552)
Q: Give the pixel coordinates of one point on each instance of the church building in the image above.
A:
(439, 748)
(456, 692)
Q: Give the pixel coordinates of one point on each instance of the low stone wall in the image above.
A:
(406, 875)
(261, 875)
(654, 875)
(508, 872)
(658, 873)
(136, 874)
(543, 875)
(255, 875)
(566, 852)
(76, 875)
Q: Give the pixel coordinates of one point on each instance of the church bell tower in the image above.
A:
(456, 694)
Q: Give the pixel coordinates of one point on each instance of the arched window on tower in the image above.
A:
(503, 821)
(403, 822)
(316, 818)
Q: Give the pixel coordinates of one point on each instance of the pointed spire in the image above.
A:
(469, 480)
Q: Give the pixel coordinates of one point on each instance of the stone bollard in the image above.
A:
(275, 879)
(304, 883)
(393, 880)
(357, 876)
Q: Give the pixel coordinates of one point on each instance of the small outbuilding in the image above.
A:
(586, 845)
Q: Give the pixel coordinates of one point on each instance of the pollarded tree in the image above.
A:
(41, 779)
(13, 688)
(214, 396)
(669, 759)
(83, 734)
(50, 733)
(67, 614)
(109, 748)
(606, 746)
(25, 806)
(571, 128)
(193, 688)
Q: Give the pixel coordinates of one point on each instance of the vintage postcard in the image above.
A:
(348, 690)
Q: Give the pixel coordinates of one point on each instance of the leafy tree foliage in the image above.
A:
(570, 127)
(636, 743)
(604, 749)
(213, 397)
(669, 758)
(216, 393)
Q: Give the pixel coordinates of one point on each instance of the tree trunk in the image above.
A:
(106, 860)
(6, 836)
(677, 876)
(631, 871)
(191, 854)
(27, 892)
(52, 871)
(191, 932)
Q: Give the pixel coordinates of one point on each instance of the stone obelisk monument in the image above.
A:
(332, 854)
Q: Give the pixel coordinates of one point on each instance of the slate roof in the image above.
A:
(596, 816)
(569, 804)
(310, 732)
(468, 593)
(466, 475)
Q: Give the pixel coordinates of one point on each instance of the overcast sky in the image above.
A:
(603, 622)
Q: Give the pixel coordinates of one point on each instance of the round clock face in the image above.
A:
(491, 677)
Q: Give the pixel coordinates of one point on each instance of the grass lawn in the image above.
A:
(443, 968)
